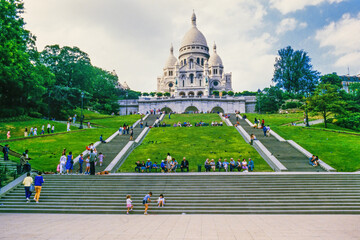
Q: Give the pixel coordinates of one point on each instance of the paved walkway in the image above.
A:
(290, 157)
(311, 122)
(254, 227)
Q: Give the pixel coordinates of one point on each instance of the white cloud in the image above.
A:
(133, 37)
(287, 6)
(342, 38)
(289, 24)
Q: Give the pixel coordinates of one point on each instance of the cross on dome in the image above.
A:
(193, 19)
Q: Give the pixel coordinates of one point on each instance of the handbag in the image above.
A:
(32, 188)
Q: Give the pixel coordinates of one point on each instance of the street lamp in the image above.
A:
(49, 105)
(259, 91)
(82, 106)
(126, 102)
(306, 111)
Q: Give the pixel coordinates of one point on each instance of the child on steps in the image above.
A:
(129, 204)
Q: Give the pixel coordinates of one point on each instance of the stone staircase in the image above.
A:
(290, 157)
(194, 194)
(112, 148)
(9, 165)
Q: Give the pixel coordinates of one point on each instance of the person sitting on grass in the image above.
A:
(142, 166)
(173, 165)
(212, 164)
(184, 165)
(244, 165)
(102, 139)
(251, 165)
(163, 166)
(155, 166)
(138, 166)
(225, 165)
(148, 165)
(239, 165)
(232, 164)
(219, 164)
(207, 165)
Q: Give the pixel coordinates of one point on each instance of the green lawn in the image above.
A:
(116, 122)
(279, 119)
(339, 150)
(17, 128)
(331, 126)
(196, 144)
(193, 118)
(89, 115)
(45, 151)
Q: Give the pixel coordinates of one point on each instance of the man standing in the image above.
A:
(6, 152)
(264, 130)
(23, 162)
(184, 165)
(92, 162)
(146, 201)
(48, 128)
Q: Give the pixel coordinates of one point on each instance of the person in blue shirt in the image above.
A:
(251, 165)
(155, 166)
(81, 160)
(232, 164)
(148, 165)
(102, 139)
(146, 201)
(39, 180)
(264, 130)
(163, 166)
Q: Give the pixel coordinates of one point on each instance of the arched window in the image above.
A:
(183, 83)
(191, 78)
(184, 61)
(202, 62)
(198, 60)
(181, 62)
(200, 82)
(191, 63)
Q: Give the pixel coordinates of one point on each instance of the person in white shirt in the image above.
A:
(27, 183)
(48, 128)
(161, 201)
(129, 204)
(52, 129)
(62, 163)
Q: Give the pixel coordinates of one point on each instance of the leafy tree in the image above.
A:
(215, 92)
(167, 94)
(230, 93)
(159, 94)
(326, 100)
(145, 94)
(293, 71)
(269, 100)
(224, 93)
(153, 94)
(332, 78)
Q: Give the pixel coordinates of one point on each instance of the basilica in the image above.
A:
(196, 72)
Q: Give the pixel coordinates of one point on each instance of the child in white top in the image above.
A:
(101, 158)
(129, 204)
(161, 201)
(87, 170)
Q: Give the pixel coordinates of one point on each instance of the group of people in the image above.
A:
(32, 185)
(314, 161)
(169, 164)
(232, 165)
(146, 202)
(34, 130)
(261, 125)
(66, 163)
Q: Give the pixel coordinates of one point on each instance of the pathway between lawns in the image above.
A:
(290, 157)
(112, 148)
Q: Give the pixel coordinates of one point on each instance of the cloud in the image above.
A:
(342, 40)
(288, 6)
(289, 24)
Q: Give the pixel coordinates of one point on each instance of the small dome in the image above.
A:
(193, 36)
(215, 59)
(171, 61)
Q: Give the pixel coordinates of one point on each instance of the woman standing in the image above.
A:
(62, 163)
(25, 132)
(39, 180)
(27, 183)
(69, 163)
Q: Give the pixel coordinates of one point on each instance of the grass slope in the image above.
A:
(339, 150)
(116, 122)
(196, 144)
(193, 118)
(17, 128)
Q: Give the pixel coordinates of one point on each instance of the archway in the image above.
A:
(191, 109)
(217, 109)
(200, 93)
(182, 93)
(166, 109)
(191, 94)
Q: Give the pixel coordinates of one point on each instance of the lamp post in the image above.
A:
(306, 111)
(259, 91)
(49, 105)
(126, 102)
(82, 106)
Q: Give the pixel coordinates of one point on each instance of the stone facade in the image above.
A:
(196, 72)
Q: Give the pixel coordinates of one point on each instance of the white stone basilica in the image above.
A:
(196, 73)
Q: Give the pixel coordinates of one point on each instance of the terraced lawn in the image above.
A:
(196, 144)
(192, 118)
(279, 119)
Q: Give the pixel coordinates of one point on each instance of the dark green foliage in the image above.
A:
(167, 94)
(269, 100)
(159, 94)
(230, 93)
(293, 71)
(292, 104)
(332, 79)
(145, 94)
(351, 121)
(215, 92)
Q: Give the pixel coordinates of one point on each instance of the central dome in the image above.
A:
(193, 36)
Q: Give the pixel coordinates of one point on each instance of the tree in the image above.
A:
(159, 94)
(269, 100)
(293, 71)
(326, 100)
(153, 94)
(332, 78)
(215, 92)
(230, 93)
(167, 94)
(145, 94)
(224, 93)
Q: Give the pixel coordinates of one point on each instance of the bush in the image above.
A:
(35, 114)
(230, 93)
(350, 122)
(292, 104)
(215, 92)
(159, 94)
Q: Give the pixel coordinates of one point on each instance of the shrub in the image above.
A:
(350, 122)
(216, 93)
(292, 104)
(35, 114)
(159, 94)
(230, 93)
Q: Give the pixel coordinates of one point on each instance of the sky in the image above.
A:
(134, 37)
